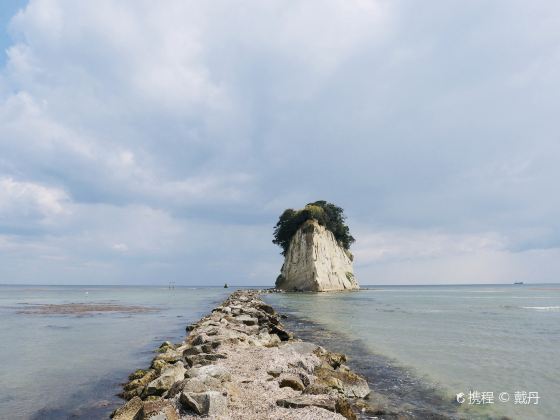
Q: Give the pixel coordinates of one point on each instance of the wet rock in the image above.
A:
(132, 410)
(210, 403)
(343, 379)
(343, 407)
(291, 381)
(149, 376)
(166, 345)
(158, 365)
(266, 308)
(280, 332)
(139, 373)
(335, 360)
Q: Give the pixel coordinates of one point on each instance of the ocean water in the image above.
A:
(419, 346)
(426, 344)
(70, 366)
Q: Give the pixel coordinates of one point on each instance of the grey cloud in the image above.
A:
(420, 119)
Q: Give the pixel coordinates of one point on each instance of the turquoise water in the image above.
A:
(57, 366)
(454, 338)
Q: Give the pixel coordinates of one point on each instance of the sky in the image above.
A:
(146, 142)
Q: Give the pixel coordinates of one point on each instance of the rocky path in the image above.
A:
(239, 362)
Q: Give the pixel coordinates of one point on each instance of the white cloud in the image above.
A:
(175, 133)
(30, 201)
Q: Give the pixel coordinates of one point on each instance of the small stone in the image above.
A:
(275, 372)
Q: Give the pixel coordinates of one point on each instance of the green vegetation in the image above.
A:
(326, 214)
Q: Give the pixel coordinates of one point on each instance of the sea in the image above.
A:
(465, 352)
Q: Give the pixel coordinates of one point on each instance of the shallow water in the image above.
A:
(450, 339)
(59, 366)
(419, 344)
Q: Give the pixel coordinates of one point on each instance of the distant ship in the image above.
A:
(226, 286)
(518, 282)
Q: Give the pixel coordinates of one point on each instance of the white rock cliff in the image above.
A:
(315, 262)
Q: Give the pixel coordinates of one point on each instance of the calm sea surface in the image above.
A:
(61, 366)
(456, 339)
(410, 341)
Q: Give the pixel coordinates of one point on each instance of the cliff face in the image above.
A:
(316, 262)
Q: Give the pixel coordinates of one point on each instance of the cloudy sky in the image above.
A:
(144, 142)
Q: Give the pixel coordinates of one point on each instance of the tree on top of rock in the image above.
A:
(326, 214)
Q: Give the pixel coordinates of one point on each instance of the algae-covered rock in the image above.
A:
(132, 410)
(343, 407)
(342, 379)
(138, 373)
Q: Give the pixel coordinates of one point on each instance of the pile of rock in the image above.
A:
(240, 362)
